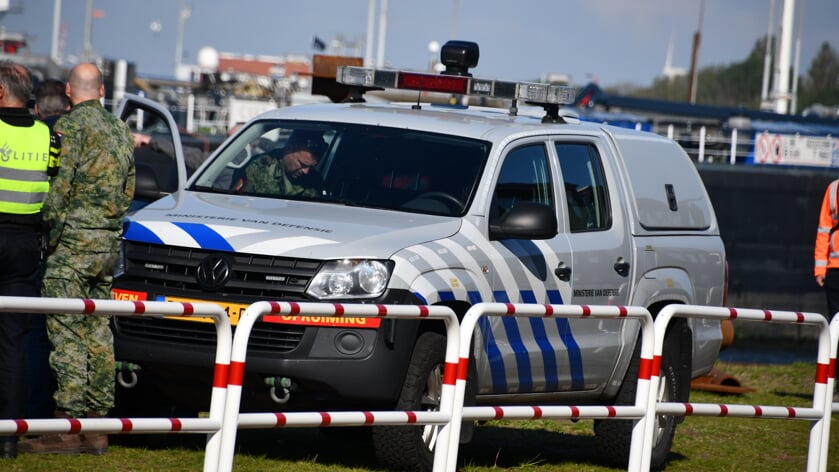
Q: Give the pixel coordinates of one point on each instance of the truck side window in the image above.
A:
(524, 177)
(585, 187)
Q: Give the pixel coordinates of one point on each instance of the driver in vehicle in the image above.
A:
(291, 174)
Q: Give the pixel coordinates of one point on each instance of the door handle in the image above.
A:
(622, 267)
(563, 272)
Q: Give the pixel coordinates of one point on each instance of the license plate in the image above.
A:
(233, 310)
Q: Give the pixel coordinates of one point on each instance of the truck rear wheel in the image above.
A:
(412, 447)
(613, 437)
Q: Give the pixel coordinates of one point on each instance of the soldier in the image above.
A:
(292, 174)
(85, 206)
(24, 160)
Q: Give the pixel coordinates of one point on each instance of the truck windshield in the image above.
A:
(358, 165)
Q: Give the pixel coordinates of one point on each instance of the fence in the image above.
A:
(636, 411)
(716, 144)
(452, 411)
(224, 418)
(820, 412)
(234, 419)
(211, 425)
(736, 146)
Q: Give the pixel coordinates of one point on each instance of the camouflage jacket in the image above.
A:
(265, 175)
(89, 197)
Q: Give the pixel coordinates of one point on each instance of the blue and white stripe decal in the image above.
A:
(575, 357)
(516, 343)
(532, 349)
(217, 237)
(206, 237)
(545, 347)
(514, 339)
(136, 232)
(176, 234)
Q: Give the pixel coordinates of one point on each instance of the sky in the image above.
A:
(609, 41)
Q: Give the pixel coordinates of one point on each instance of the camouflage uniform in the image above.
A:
(85, 206)
(265, 175)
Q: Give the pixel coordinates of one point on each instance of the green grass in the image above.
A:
(701, 444)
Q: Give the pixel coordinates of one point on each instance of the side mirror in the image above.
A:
(526, 220)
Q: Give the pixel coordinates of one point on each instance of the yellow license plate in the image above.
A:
(234, 310)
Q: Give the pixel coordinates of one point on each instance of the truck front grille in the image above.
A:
(166, 269)
(267, 337)
(171, 271)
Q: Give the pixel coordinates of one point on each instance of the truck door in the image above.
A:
(592, 218)
(161, 168)
(527, 354)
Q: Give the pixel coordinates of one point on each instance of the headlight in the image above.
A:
(350, 278)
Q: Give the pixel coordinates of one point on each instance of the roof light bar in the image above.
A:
(463, 85)
(438, 83)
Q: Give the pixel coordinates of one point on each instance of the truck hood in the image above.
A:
(235, 223)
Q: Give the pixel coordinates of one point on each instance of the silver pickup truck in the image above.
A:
(424, 204)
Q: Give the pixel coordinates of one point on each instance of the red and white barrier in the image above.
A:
(820, 412)
(232, 419)
(829, 373)
(637, 411)
(211, 425)
(224, 417)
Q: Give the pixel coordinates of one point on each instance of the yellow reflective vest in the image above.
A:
(24, 158)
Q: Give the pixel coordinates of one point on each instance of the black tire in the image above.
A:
(412, 447)
(613, 437)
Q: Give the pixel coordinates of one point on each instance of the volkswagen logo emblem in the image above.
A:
(213, 272)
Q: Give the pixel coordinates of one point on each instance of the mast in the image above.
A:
(782, 72)
(692, 80)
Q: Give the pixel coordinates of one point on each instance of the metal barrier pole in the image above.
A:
(211, 425)
(642, 393)
(819, 414)
(232, 419)
(830, 376)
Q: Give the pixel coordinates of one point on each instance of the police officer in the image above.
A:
(24, 181)
(86, 204)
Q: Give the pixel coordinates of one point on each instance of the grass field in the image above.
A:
(701, 444)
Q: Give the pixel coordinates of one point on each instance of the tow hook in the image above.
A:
(282, 382)
(127, 368)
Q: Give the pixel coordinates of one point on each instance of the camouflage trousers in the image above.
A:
(82, 355)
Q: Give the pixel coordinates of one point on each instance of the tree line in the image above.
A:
(739, 84)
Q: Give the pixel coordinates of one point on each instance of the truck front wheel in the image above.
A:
(613, 437)
(412, 447)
